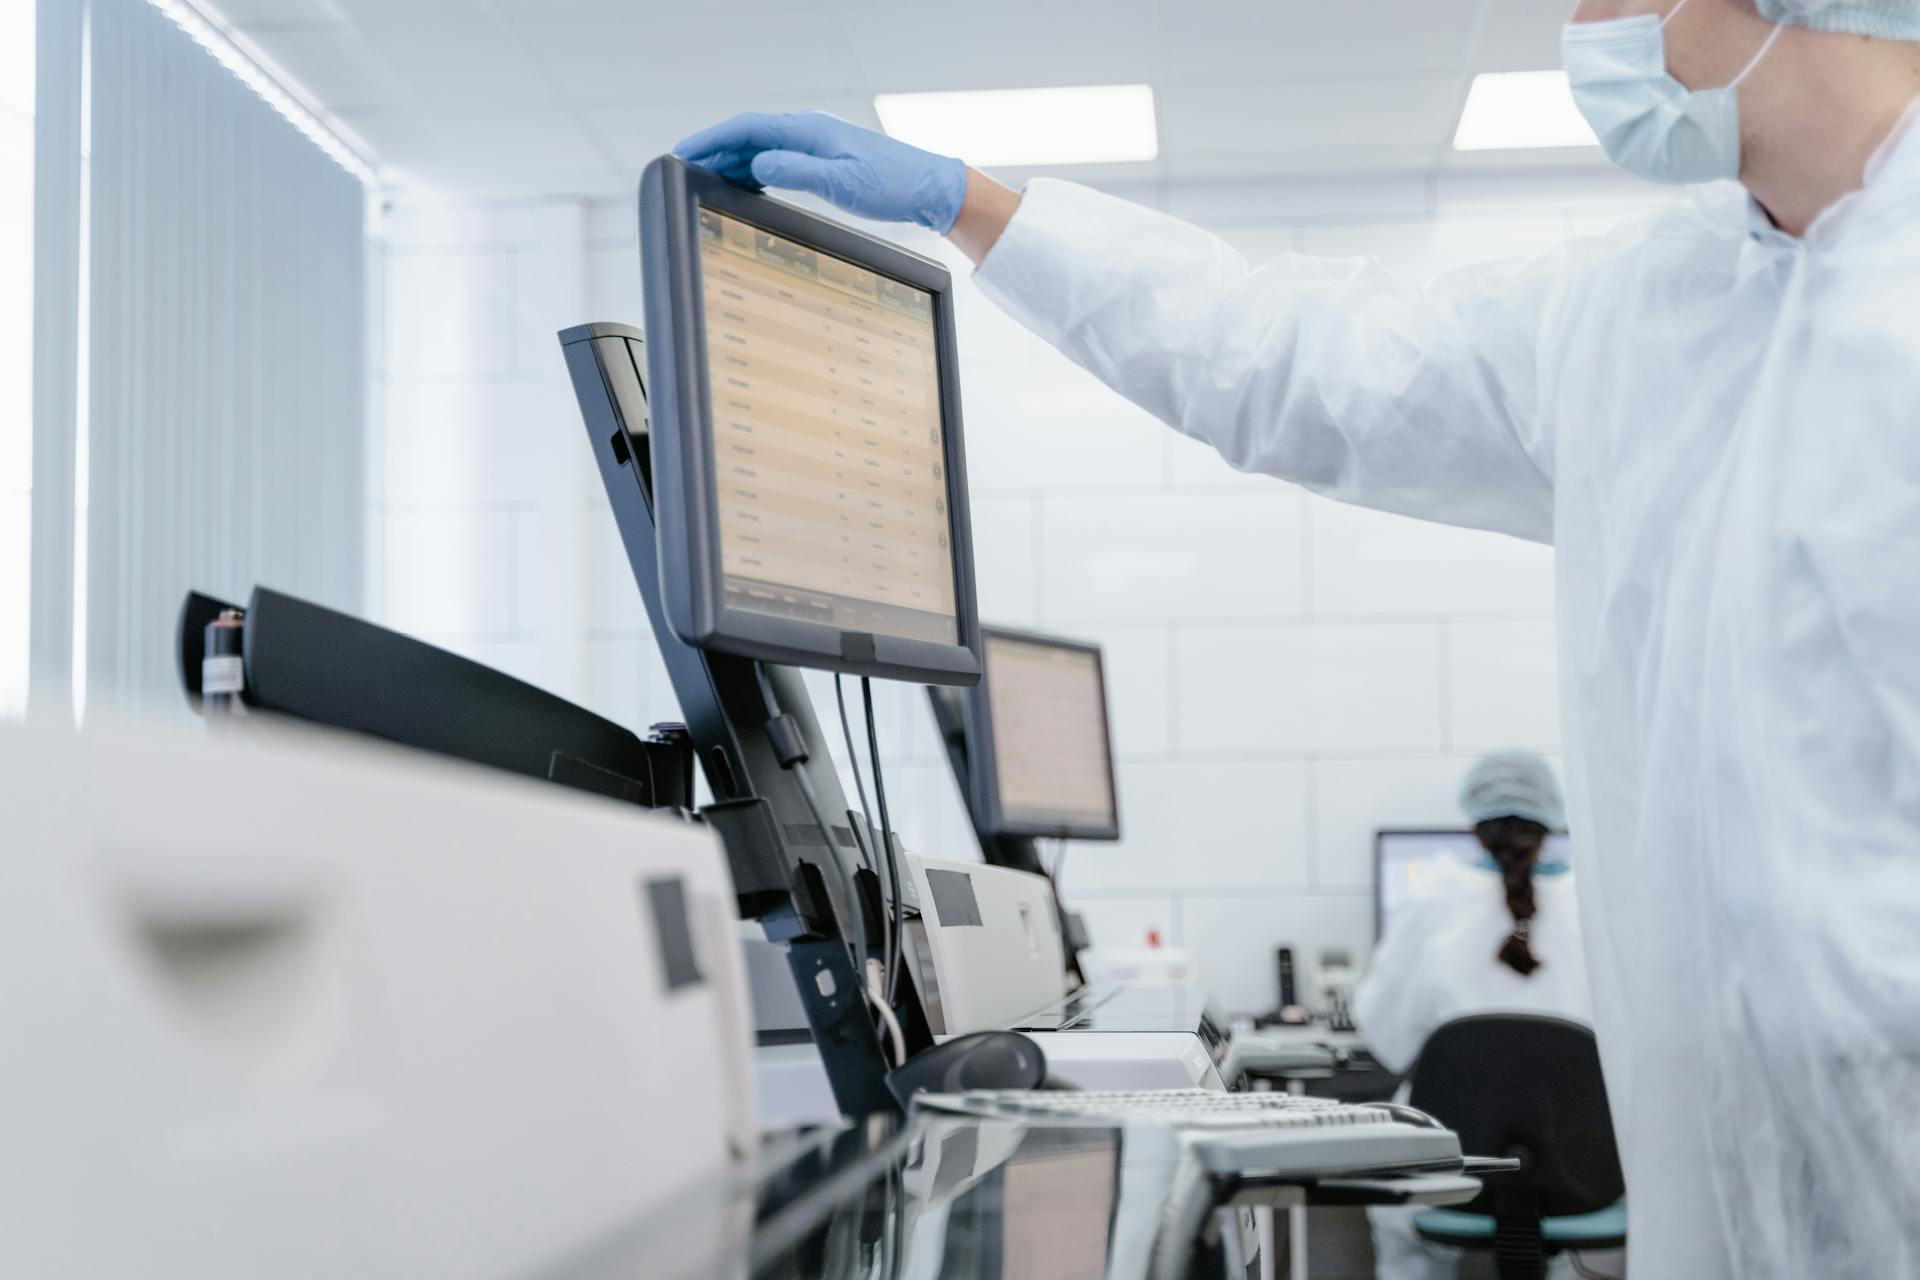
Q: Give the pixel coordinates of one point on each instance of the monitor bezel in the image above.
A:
(989, 810)
(671, 194)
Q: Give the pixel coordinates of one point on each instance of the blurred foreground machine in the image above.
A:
(293, 1006)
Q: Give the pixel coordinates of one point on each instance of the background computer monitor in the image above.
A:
(1401, 858)
(1040, 748)
(808, 467)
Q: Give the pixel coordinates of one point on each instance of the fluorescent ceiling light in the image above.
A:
(1512, 109)
(1089, 124)
(212, 33)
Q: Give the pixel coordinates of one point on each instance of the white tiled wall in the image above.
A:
(1287, 674)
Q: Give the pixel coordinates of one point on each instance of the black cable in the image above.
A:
(791, 750)
(859, 784)
(897, 936)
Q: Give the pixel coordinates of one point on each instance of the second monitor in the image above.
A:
(1039, 741)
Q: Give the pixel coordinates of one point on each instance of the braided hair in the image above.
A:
(1515, 844)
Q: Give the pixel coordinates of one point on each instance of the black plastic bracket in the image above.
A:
(842, 1030)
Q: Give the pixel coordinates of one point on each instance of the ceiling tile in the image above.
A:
(1286, 118)
(1285, 39)
(434, 64)
(332, 64)
(668, 58)
(1002, 44)
(1520, 35)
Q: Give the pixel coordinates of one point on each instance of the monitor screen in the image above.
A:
(1403, 858)
(830, 465)
(1049, 751)
(802, 457)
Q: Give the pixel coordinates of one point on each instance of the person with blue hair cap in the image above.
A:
(1713, 415)
(1498, 934)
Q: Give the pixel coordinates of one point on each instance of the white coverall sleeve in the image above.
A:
(1335, 375)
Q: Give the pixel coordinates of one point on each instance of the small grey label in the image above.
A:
(668, 901)
(953, 902)
(222, 673)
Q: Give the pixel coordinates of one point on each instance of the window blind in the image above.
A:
(222, 330)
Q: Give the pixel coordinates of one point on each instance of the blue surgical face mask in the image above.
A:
(1648, 122)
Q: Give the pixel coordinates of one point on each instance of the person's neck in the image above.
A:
(1825, 104)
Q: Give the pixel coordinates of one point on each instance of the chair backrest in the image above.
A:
(1515, 1084)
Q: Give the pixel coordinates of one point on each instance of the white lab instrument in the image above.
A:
(1712, 422)
(297, 1006)
(987, 940)
(988, 944)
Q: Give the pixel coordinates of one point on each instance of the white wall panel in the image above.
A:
(1370, 562)
(1156, 556)
(1124, 922)
(451, 571)
(1352, 799)
(1233, 940)
(462, 311)
(1309, 688)
(1187, 824)
(1052, 426)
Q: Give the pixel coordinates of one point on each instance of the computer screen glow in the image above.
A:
(1051, 756)
(828, 437)
(1408, 858)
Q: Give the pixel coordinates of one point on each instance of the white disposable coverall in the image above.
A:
(1718, 428)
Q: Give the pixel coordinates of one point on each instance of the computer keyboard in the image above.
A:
(1246, 1134)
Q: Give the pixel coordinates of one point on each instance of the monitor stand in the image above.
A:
(774, 845)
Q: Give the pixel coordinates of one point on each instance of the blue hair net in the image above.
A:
(1889, 19)
(1513, 784)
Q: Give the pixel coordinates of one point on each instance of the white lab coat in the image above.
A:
(1718, 428)
(1437, 963)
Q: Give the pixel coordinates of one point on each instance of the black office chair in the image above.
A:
(1527, 1087)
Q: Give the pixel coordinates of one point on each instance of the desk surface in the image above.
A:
(951, 1198)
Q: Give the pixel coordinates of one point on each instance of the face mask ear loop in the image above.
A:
(1778, 27)
(1670, 17)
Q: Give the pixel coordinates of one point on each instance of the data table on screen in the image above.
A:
(831, 481)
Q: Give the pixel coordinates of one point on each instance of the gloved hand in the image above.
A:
(855, 169)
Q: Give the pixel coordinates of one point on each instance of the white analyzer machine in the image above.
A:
(305, 1007)
(986, 954)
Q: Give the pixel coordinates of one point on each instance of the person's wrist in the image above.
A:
(985, 212)
(944, 194)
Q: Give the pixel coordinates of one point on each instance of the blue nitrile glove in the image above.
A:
(855, 169)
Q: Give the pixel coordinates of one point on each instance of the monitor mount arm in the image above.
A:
(761, 810)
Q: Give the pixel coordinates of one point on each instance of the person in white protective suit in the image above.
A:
(1714, 417)
(1498, 935)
